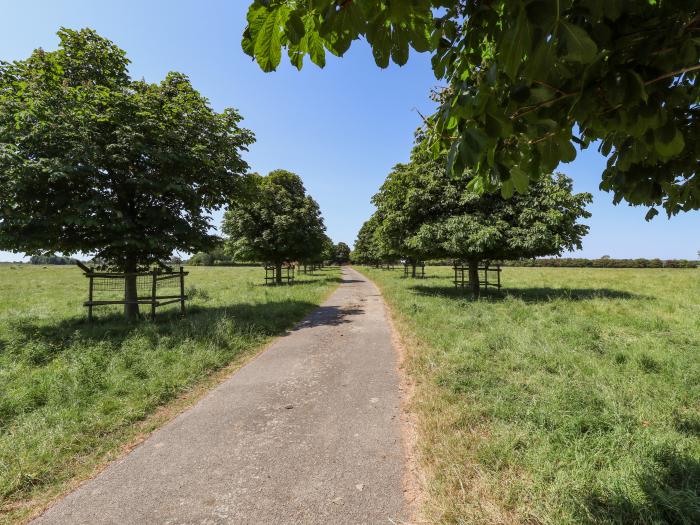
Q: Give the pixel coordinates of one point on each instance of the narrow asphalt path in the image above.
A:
(308, 432)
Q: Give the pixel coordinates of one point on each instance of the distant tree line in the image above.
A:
(604, 262)
(51, 259)
(578, 262)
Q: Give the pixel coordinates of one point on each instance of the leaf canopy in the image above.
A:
(528, 80)
(275, 221)
(92, 161)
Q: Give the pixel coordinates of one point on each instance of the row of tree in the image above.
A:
(424, 212)
(51, 259)
(275, 221)
(603, 262)
(129, 172)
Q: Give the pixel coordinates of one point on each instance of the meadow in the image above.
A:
(571, 396)
(75, 394)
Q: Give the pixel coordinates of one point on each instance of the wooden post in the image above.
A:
(154, 288)
(182, 291)
(90, 300)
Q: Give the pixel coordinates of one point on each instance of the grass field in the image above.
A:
(72, 394)
(571, 397)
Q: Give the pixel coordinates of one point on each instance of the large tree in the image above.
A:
(529, 80)
(427, 212)
(92, 161)
(274, 222)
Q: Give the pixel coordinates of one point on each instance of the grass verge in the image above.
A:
(73, 395)
(573, 396)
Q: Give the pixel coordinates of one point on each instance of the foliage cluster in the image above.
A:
(424, 212)
(275, 221)
(51, 259)
(573, 262)
(528, 81)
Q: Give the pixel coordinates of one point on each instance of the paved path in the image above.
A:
(308, 432)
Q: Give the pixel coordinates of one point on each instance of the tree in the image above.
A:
(369, 247)
(92, 161)
(275, 222)
(528, 81)
(366, 249)
(426, 212)
(341, 253)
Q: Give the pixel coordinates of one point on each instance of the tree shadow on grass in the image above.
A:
(39, 343)
(529, 295)
(671, 494)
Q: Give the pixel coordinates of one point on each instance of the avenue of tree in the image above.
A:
(423, 212)
(274, 221)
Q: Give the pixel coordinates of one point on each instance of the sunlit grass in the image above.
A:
(72, 393)
(573, 396)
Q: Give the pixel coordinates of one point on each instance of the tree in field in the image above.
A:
(410, 196)
(328, 250)
(274, 222)
(528, 81)
(366, 249)
(369, 247)
(341, 253)
(426, 212)
(92, 161)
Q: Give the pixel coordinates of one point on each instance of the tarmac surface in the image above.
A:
(307, 432)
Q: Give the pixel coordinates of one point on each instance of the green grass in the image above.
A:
(571, 397)
(72, 393)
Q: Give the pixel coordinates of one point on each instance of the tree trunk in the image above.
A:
(413, 270)
(131, 293)
(278, 273)
(474, 278)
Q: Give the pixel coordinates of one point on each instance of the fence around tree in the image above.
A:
(416, 271)
(153, 288)
(286, 275)
(488, 275)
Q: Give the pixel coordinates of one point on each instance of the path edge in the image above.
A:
(163, 416)
(414, 478)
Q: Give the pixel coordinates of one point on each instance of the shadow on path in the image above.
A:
(329, 316)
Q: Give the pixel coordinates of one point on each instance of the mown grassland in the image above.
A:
(573, 396)
(72, 394)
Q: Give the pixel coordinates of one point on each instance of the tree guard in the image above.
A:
(461, 272)
(271, 276)
(409, 270)
(152, 288)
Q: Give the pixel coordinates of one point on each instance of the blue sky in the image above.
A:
(341, 128)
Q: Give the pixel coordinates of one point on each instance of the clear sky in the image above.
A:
(341, 128)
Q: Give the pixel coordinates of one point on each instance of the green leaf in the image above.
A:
(579, 46)
(520, 179)
(653, 212)
(472, 146)
(668, 143)
(379, 37)
(313, 42)
(515, 44)
(399, 47)
(294, 28)
(268, 46)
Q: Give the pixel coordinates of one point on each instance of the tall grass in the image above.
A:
(573, 396)
(72, 393)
